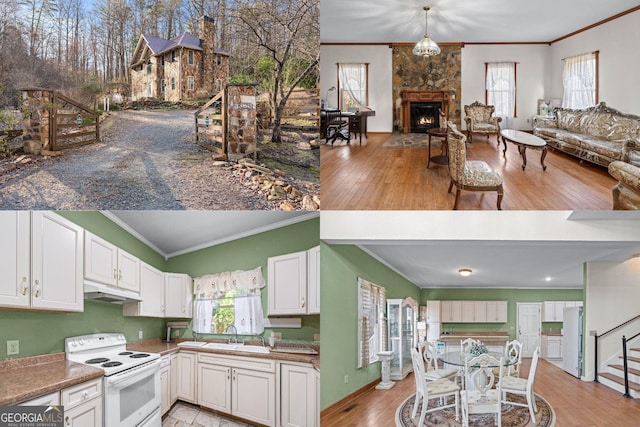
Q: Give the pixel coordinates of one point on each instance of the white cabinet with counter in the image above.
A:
(165, 384)
(40, 262)
(108, 264)
(240, 386)
(293, 283)
(297, 399)
(186, 378)
(178, 295)
(551, 347)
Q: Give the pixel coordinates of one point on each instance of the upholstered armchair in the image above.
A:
(480, 119)
(626, 195)
(472, 175)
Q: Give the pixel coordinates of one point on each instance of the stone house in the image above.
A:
(184, 67)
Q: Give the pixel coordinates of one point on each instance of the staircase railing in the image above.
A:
(624, 352)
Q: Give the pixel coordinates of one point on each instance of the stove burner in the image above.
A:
(125, 353)
(139, 355)
(97, 360)
(111, 364)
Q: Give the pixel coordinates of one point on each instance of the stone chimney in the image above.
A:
(207, 36)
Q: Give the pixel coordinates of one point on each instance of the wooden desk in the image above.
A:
(357, 123)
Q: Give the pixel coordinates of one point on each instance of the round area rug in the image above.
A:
(512, 416)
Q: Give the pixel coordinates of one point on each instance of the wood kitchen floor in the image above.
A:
(183, 415)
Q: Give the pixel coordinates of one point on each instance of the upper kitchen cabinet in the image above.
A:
(293, 283)
(151, 292)
(108, 264)
(56, 263)
(40, 262)
(178, 295)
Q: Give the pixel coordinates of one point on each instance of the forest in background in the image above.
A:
(84, 47)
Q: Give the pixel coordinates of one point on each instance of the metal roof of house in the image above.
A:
(159, 45)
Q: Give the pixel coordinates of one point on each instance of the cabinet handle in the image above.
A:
(85, 394)
(303, 303)
(37, 294)
(115, 273)
(234, 375)
(119, 274)
(24, 285)
(228, 372)
(67, 421)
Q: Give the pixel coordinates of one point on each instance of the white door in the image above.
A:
(572, 336)
(214, 387)
(254, 396)
(528, 324)
(186, 376)
(57, 250)
(176, 295)
(297, 396)
(88, 414)
(173, 392)
(100, 260)
(128, 271)
(151, 291)
(15, 275)
(165, 386)
(287, 284)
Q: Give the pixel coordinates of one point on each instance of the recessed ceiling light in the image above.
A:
(548, 279)
(465, 272)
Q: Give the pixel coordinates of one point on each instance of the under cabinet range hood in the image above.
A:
(98, 292)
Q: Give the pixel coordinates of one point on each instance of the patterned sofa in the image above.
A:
(626, 194)
(597, 134)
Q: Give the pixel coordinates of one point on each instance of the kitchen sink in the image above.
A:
(191, 344)
(238, 347)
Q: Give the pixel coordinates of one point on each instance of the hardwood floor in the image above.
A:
(575, 402)
(370, 176)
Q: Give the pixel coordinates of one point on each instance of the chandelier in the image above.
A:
(426, 47)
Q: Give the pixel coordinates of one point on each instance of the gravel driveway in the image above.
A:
(145, 160)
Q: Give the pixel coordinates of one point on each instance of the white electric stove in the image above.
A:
(131, 395)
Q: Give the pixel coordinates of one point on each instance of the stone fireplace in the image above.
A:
(420, 109)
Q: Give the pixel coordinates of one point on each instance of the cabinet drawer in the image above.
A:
(265, 365)
(81, 393)
(46, 400)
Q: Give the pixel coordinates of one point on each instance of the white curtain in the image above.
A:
(210, 284)
(579, 79)
(501, 90)
(372, 326)
(353, 80)
(202, 310)
(248, 314)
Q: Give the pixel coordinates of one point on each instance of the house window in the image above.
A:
(162, 60)
(173, 83)
(149, 67)
(580, 80)
(190, 83)
(190, 57)
(352, 86)
(162, 86)
(233, 309)
(372, 331)
(500, 87)
(218, 87)
(173, 56)
(218, 60)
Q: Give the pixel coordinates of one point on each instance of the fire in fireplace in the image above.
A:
(424, 116)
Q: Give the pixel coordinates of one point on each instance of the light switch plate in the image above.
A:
(13, 347)
(140, 334)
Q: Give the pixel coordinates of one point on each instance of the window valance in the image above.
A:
(227, 281)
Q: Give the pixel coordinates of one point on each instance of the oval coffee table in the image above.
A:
(524, 140)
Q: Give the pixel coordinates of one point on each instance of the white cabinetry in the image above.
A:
(165, 384)
(241, 386)
(293, 283)
(40, 262)
(151, 292)
(551, 347)
(186, 378)
(402, 315)
(51, 399)
(497, 311)
(83, 404)
(433, 312)
(451, 311)
(552, 311)
(173, 372)
(298, 404)
(108, 264)
(177, 295)
(474, 311)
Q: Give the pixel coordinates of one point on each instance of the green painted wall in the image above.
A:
(251, 252)
(41, 333)
(512, 295)
(340, 269)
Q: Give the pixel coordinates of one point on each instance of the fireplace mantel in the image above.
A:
(409, 96)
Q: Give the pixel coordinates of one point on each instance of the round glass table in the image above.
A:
(458, 358)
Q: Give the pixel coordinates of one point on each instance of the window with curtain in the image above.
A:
(372, 325)
(501, 87)
(580, 81)
(353, 86)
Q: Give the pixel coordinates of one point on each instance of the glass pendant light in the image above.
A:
(426, 46)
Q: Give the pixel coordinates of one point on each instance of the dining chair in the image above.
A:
(427, 390)
(432, 371)
(471, 175)
(482, 394)
(480, 119)
(523, 387)
(336, 126)
(513, 352)
(465, 345)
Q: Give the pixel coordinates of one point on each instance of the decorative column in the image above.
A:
(385, 359)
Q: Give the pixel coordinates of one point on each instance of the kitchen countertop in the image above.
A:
(157, 346)
(485, 336)
(28, 377)
(552, 334)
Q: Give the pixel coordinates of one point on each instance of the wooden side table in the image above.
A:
(442, 159)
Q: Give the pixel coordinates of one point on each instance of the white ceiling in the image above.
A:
(171, 233)
(381, 21)
(504, 249)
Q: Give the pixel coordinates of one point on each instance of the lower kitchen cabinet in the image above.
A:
(298, 404)
(165, 384)
(551, 347)
(240, 386)
(89, 414)
(173, 370)
(187, 376)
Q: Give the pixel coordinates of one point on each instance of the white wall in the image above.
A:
(612, 295)
(619, 61)
(531, 76)
(380, 79)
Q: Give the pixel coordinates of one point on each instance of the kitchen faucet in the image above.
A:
(235, 333)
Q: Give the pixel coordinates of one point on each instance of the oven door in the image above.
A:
(132, 396)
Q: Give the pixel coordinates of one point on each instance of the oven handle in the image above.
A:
(137, 371)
